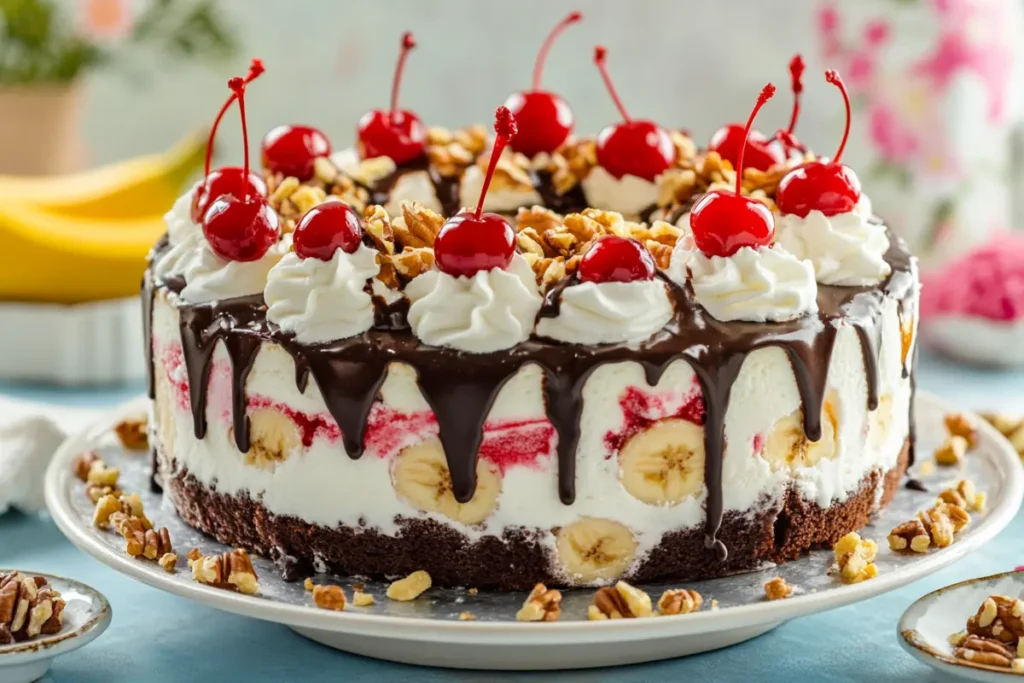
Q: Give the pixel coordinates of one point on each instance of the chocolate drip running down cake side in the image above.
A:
(636, 365)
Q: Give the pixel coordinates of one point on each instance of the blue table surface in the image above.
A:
(159, 638)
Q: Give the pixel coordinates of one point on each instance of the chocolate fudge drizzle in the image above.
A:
(461, 388)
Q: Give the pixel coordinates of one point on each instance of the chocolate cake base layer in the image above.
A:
(517, 560)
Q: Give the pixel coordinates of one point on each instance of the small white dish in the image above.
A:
(86, 615)
(925, 627)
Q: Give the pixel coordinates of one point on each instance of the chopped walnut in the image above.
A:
(942, 522)
(958, 424)
(999, 617)
(910, 536)
(777, 589)
(679, 601)
(141, 541)
(377, 225)
(29, 606)
(537, 217)
(951, 453)
(418, 226)
(621, 601)
(230, 570)
(131, 433)
(370, 171)
(855, 557)
(94, 493)
(409, 588)
(572, 163)
(965, 495)
(541, 604)
(361, 599)
(83, 463)
(329, 597)
(101, 475)
(451, 152)
(192, 556)
(466, 616)
(167, 562)
(130, 505)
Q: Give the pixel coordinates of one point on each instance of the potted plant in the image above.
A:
(46, 51)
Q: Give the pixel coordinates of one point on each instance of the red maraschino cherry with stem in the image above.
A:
(395, 133)
(228, 179)
(638, 148)
(722, 221)
(545, 119)
(242, 227)
(796, 72)
(292, 150)
(472, 241)
(826, 186)
(326, 228)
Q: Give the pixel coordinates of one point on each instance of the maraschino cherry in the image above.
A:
(471, 241)
(722, 221)
(545, 119)
(228, 179)
(639, 148)
(826, 186)
(242, 227)
(396, 133)
(616, 259)
(326, 228)
(796, 73)
(291, 150)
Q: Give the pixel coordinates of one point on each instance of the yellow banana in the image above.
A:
(134, 188)
(51, 257)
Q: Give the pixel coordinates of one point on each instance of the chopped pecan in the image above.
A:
(621, 601)
(541, 604)
(29, 606)
(230, 570)
(999, 617)
(985, 651)
(679, 601)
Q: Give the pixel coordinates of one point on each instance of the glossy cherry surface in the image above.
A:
(228, 179)
(395, 133)
(545, 119)
(222, 181)
(616, 259)
(291, 150)
(244, 227)
(826, 186)
(723, 222)
(638, 148)
(759, 154)
(326, 228)
(472, 241)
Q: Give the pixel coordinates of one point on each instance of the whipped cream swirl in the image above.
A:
(489, 311)
(628, 195)
(609, 313)
(208, 277)
(184, 237)
(847, 249)
(766, 284)
(501, 199)
(321, 301)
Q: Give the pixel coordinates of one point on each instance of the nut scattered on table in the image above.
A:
(621, 601)
(952, 452)
(855, 557)
(409, 588)
(131, 433)
(994, 635)
(29, 607)
(231, 570)
(329, 597)
(959, 424)
(777, 589)
(679, 601)
(361, 599)
(541, 604)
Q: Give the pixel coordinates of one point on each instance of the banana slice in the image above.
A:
(787, 446)
(421, 477)
(664, 464)
(593, 549)
(273, 436)
(880, 422)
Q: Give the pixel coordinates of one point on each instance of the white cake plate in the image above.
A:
(428, 631)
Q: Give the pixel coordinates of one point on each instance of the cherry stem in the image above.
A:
(408, 43)
(796, 72)
(506, 128)
(766, 94)
(255, 69)
(237, 85)
(600, 52)
(832, 76)
(542, 56)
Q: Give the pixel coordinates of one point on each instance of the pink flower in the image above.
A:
(876, 32)
(896, 142)
(106, 19)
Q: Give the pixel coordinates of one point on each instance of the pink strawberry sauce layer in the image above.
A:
(641, 409)
(986, 283)
(506, 444)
